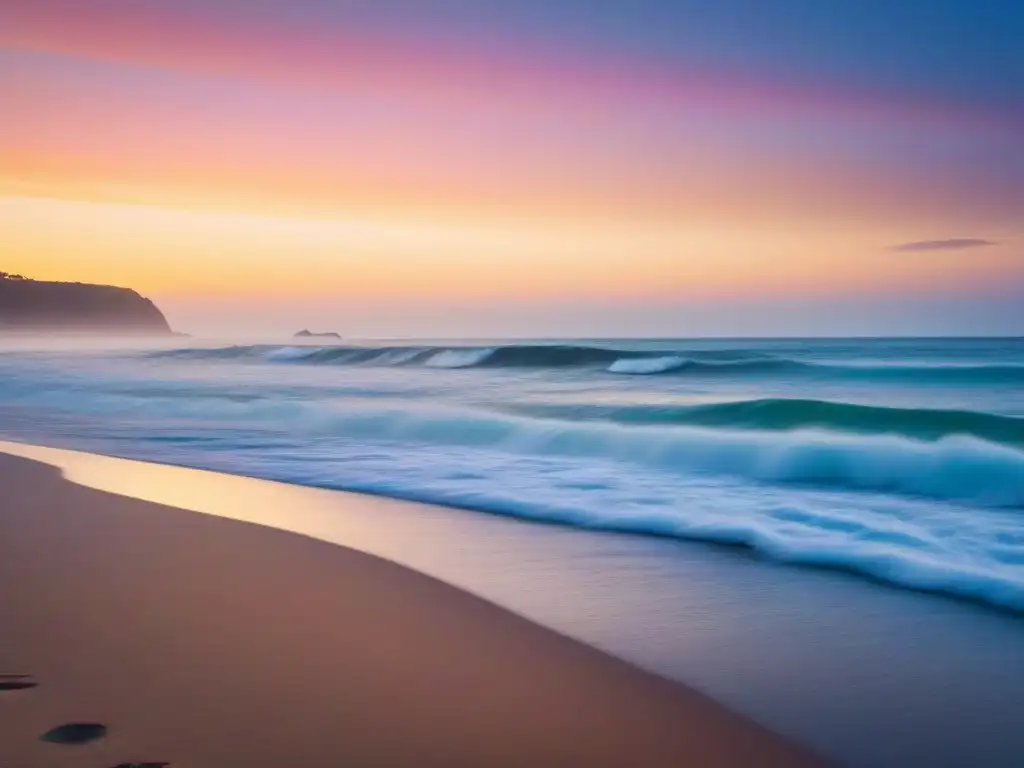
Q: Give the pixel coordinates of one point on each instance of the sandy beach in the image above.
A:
(206, 642)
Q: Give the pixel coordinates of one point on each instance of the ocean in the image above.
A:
(899, 460)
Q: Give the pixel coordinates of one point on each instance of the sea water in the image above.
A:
(901, 460)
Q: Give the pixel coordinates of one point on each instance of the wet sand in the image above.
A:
(207, 642)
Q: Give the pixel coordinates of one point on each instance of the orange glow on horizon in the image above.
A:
(175, 252)
(186, 153)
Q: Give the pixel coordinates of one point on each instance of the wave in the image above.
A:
(885, 505)
(792, 414)
(500, 356)
(457, 358)
(948, 455)
(975, 554)
(287, 354)
(644, 366)
(724, 362)
(956, 468)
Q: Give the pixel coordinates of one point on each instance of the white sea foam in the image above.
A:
(458, 358)
(647, 365)
(397, 356)
(285, 354)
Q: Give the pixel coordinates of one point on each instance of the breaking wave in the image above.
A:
(881, 505)
(608, 359)
(644, 366)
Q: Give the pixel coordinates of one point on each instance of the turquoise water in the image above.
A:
(901, 460)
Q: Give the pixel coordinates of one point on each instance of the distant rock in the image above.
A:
(305, 334)
(29, 305)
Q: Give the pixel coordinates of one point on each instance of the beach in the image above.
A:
(822, 535)
(202, 641)
(486, 384)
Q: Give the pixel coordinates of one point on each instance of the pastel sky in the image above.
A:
(539, 167)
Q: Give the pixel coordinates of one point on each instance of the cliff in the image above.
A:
(77, 307)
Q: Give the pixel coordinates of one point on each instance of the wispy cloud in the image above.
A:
(953, 244)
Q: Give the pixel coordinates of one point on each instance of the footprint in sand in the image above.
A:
(69, 733)
(16, 682)
(75, 733)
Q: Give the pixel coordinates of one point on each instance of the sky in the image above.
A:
(538, 168)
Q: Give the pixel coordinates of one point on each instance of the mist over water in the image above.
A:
(898, 459)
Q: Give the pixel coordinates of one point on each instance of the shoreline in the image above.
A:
(205, 641)
(44, 453)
